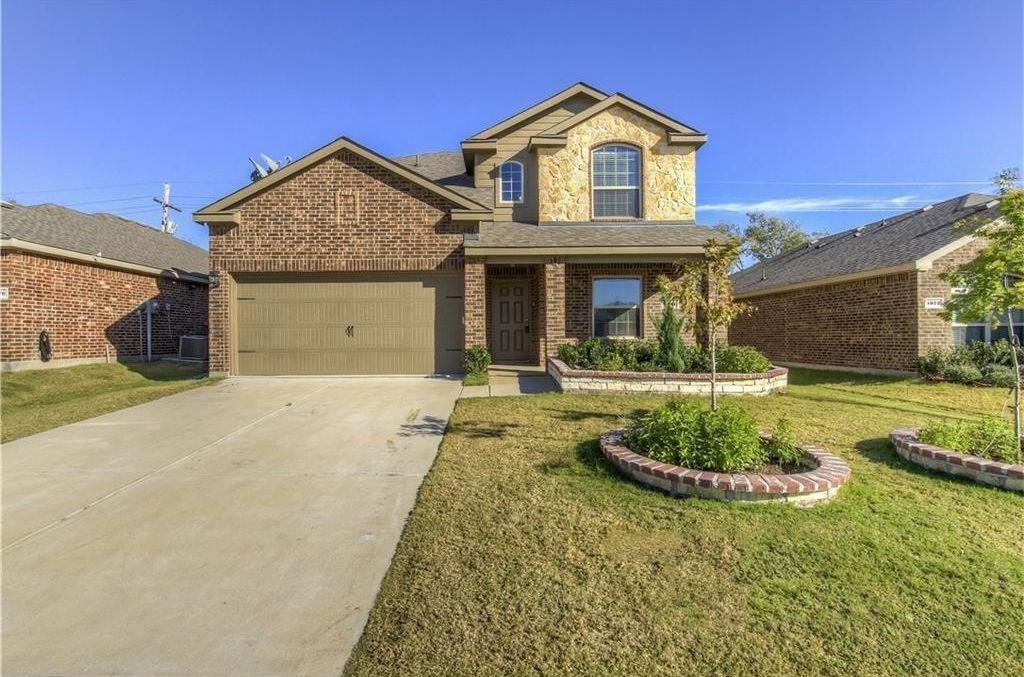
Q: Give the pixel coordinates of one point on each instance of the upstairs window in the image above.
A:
(616, 303)
(512, 181)
(615, 172)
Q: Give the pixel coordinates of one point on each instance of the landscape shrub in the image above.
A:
(782, 446)
(670, 343)
(741, 360)
(984, 363)
(723, 440)
(647, 355)
(477, 360)
(989, 437)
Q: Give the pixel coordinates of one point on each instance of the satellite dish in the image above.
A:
(272, 166)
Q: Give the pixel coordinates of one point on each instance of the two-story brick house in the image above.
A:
(548, 227)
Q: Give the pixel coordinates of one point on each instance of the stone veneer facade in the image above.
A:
(669, 172)
(91, 312)
(874, 323)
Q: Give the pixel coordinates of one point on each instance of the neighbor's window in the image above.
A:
(617, 307)
(616, 182)
(512, 181)
(980, 332)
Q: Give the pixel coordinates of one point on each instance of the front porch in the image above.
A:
(522, 311)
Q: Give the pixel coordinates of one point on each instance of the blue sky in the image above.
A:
(832, 113)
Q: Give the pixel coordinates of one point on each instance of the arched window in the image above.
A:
(512, 181)
(616, 182)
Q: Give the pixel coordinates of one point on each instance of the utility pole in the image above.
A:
(166, 225)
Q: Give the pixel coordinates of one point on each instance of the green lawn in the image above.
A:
(527, 554)
(34, 401)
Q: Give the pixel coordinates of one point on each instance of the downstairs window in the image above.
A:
(616, 307)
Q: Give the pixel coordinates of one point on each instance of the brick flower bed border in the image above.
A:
(983, 470)
(585, 380)
(817, 485)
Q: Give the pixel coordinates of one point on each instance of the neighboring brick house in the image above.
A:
(867, 298)
(548, 227)
(101, 287)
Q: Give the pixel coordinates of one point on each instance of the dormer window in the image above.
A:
(615, 170)
(512, 181)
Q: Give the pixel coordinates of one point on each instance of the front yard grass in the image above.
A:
(527, 553)
(34, 401)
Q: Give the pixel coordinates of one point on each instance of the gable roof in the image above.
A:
(539, 107)
(103, 237)
(448, 169)
(223, 209)
(682, 131)
(908, 241)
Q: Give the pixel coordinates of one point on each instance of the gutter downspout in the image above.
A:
(149, 331)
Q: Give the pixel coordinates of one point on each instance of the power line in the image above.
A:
(113, 185)
(855, 183)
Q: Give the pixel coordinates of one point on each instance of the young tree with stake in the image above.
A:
(703, 290)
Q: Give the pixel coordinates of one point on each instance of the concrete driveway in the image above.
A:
(238, 529)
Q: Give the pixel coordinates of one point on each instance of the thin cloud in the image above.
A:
(816, 204)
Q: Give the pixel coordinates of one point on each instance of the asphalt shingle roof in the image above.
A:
(893, 241)
(448, 168)
(629, 234)
(105, 235)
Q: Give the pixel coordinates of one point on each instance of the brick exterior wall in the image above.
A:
(342, 214)
(579, 290)
(90, 312)
(876, 323)
(475, 303)
(869, 323)
(554, 305)
(932, 331)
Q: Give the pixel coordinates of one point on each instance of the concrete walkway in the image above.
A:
(238, 529)
(513, 380)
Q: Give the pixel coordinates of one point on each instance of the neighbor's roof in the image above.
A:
(513, 235)
(902, 240)
(448, 169)
(101, 235)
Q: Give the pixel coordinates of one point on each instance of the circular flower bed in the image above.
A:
(986, 471)
(821, 482)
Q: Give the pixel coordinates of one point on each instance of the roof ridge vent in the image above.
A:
(926, 208)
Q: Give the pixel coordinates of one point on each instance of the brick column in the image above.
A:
(220, 325)
(553, 316)
(475, 321)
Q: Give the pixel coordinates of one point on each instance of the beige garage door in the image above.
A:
(366, 324)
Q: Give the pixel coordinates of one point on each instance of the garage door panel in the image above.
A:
(398, 324)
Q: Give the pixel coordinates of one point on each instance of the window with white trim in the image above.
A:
(983, 332)
(616, 305)
(512, 181)
(615, 181)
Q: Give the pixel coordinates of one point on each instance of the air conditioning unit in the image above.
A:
(195, 348)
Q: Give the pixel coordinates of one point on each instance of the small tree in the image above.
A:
(703, 290)
(990, 293)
